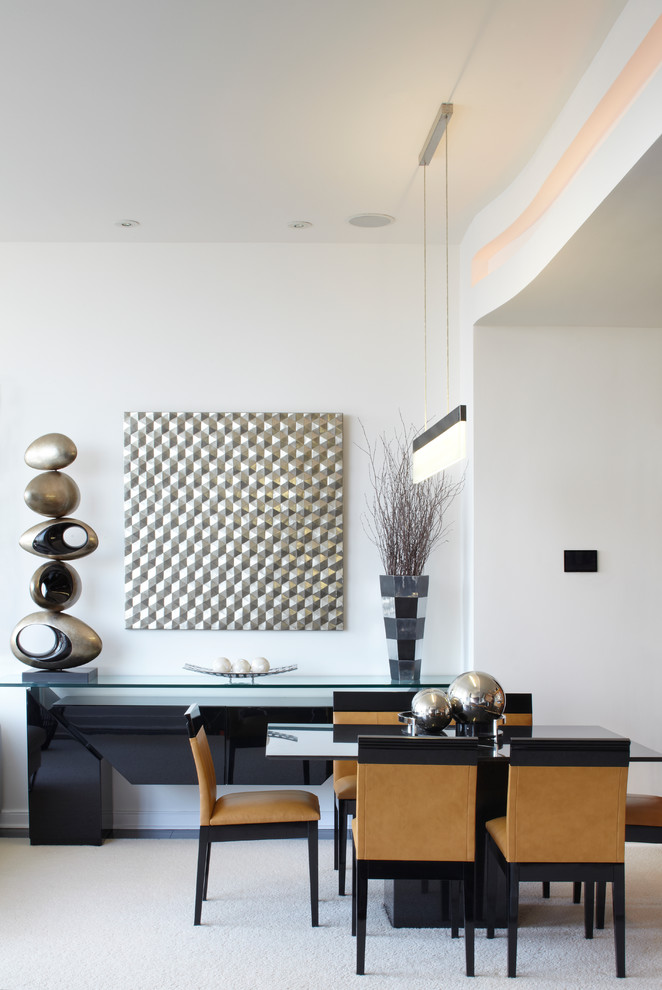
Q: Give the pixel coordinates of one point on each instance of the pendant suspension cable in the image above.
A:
(448, 357)
(425, 296)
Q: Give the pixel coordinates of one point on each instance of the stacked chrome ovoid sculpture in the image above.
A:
(55, 585)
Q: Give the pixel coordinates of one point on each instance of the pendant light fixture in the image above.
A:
(443, 443)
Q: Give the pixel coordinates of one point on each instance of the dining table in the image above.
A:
(411, 903)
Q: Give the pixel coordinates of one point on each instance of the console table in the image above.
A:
(78, 732)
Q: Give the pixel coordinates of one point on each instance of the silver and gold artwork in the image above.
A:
(234, 520)
(55, 585)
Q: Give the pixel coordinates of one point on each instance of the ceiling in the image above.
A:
(225, 120)
(608, 274)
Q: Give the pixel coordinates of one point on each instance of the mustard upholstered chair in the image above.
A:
(565, 821)
(247, 815)
(643, 818)
(357, 708)
(519, 712)
(519, 709)
(643, 823)
(415, 820)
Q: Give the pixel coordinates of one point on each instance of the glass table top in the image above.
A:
(190, 679)
(339, 742)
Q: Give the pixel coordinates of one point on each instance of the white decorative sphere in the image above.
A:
(241, 667)
(222, 665)
(260, 665)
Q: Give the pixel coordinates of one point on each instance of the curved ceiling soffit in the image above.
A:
(639, 70)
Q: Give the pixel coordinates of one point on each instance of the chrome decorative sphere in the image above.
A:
(431, 710)
(476, 697)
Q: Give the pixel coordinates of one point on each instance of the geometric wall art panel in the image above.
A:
(233, 520)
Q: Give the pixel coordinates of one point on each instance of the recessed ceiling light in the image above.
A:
(371, 220)
(127, 223)
(299, 224)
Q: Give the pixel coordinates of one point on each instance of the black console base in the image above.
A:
(75, 742)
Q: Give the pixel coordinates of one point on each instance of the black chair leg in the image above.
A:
(207, 862)
(353, 889)
(361, 875)
(455, 908)
(335, 832)
(313, 873)
(600, 899)
(576, 891)
(490, 893)
(468, 883)
(618, 905)
(342, 846)
(589, 907)
(202, 873)
(512, 884)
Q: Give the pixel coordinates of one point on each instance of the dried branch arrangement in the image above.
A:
(404, 521)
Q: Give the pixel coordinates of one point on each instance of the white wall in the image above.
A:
(92, 330)
(568, 429)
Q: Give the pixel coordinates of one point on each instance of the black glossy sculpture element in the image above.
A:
(74, 642)
(50, 539)
(55, 586)
(69, 642)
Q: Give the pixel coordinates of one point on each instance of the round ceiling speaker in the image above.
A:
(371, 220)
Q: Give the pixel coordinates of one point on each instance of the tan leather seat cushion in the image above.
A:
(643, 809)
(345, 788)
(343, 768)
(244, 807)
(497, 829)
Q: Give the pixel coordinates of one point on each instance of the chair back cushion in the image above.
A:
(416, 799)
(566, 801)
(519, 709)
(382, 708)
(204, 766)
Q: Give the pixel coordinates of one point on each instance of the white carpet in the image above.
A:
(120, 917)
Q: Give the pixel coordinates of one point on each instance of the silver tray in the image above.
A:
(241, 675)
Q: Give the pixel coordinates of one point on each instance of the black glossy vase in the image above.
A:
(404, 597)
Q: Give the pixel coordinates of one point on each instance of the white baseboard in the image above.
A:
(14, 819)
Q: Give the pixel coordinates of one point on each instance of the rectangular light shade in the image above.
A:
(442, 445)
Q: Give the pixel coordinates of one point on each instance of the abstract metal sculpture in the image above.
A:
(55, 585)
(247, 529)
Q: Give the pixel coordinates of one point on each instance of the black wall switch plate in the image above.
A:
(580, 560)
